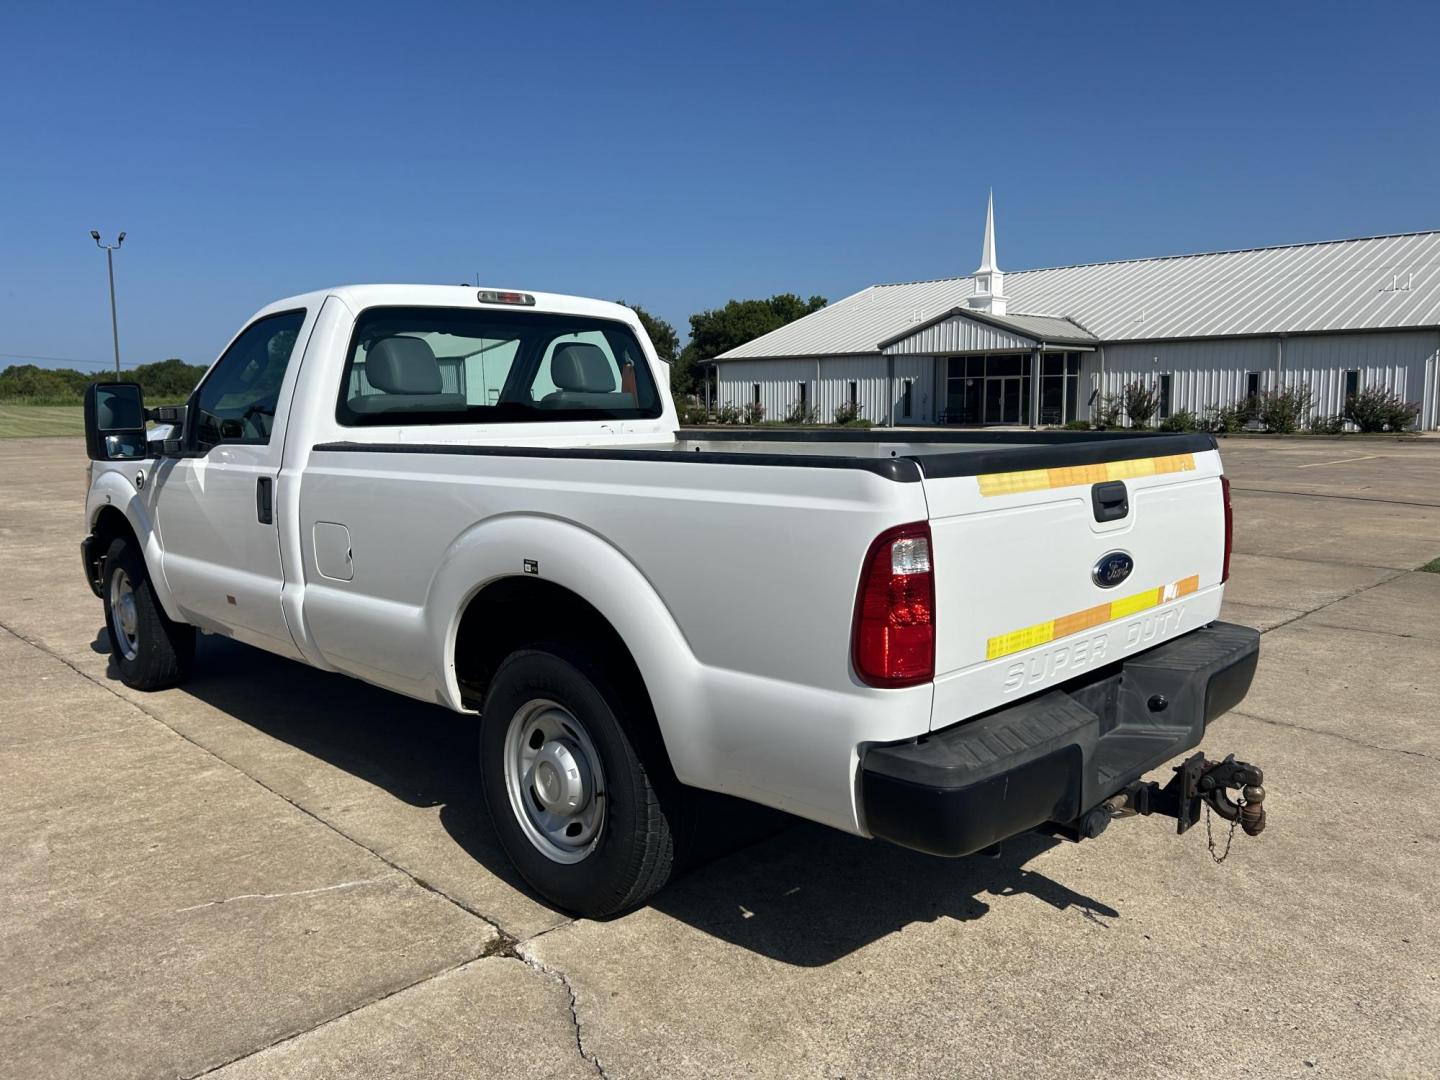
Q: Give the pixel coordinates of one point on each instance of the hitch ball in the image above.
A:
(1252, 814)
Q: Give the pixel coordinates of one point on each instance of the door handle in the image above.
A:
(264, 500)
(1110, 501)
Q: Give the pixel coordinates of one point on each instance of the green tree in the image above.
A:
(721, 329)
(662, 335)
(163, 380)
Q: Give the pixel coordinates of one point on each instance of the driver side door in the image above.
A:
(216, 505)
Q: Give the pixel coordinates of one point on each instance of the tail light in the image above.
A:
(1229, 528)
(894, 630)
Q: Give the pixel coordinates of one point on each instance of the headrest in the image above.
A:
(403, 365)
(579, 365)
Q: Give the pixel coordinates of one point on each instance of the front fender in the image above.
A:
(115, 489)
(573, 557)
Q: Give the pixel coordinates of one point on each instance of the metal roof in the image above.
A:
(1378, 282)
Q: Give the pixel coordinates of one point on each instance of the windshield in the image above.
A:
(454, 366)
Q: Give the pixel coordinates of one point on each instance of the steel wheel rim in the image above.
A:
(124, 620)
(555, 781)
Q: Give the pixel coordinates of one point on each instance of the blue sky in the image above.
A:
(673, 155)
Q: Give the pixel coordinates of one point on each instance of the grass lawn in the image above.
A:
(1431, 567)
(18, 420)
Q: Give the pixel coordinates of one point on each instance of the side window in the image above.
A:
(586, 369)
(578, 363)
(486, 370)
(236, 402)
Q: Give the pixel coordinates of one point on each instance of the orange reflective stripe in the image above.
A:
(1015, 483)
(1029, 636)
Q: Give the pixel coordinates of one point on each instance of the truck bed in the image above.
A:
(941, 453)
(934, 455)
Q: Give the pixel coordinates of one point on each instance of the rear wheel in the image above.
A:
(584, 819)
(150, 650)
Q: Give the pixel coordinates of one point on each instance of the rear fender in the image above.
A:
(564, 554)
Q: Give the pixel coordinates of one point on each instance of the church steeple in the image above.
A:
(989, 292)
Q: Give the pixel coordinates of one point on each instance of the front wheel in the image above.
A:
(575, 806)
(150, 650)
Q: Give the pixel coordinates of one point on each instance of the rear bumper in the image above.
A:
(1055, 756)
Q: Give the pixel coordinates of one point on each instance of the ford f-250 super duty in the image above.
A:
(481, 498)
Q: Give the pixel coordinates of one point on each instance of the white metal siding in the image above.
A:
(1205, 373)
(921, 370)
(779, 384)
(1397, 362)
(868, 373)
(959, 334)
(1209, 373)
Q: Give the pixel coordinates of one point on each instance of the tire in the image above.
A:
(623, 846)
(159, 653)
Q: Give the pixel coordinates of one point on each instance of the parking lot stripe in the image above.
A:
(1341, 461)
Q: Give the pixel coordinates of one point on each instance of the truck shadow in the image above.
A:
(784, 888)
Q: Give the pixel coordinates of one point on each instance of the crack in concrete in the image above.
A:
(283, 895)
(1334, 735)
(522, 953)
(427, 886)
(291, 1036)
(1346, 498)
(1338, 599)
(504, 943)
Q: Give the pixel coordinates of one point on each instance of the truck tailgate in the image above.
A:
(1020, 554)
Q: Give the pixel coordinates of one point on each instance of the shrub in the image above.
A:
(754, 412)
(1283, 411)
(1181, 420)
(848, 413)
(800, 413)
(1140, 402)
(689, 412)
(1107, 412)
(1077, 425)
(1228, 419)
(1328, 425)
(1374, 409)
(727, 414)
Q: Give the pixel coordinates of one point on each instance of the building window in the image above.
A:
(1165, 396)
(854, 393)
(1252, 384)
(1352, 385)
(756, 398)
(804, 394)
(907, 398)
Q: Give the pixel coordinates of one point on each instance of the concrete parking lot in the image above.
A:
(274, 872)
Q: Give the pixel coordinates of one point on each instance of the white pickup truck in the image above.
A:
(482, 498)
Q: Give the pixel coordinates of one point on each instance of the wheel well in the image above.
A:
(110, 524)
(514, 612)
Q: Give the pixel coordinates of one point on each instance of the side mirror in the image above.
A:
(115, 422)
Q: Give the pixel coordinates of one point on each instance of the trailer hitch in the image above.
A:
(1196, 782)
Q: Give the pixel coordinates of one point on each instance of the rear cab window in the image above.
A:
(455, 366)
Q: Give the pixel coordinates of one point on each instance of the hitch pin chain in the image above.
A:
(1199, 782)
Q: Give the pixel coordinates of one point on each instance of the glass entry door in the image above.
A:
(1003, 400)
(988, 389)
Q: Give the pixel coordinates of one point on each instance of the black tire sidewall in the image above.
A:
(607, 879)
(164, 649)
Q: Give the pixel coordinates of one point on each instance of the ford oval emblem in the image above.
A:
(1112, 569)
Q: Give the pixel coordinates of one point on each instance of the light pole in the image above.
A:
(110, 264)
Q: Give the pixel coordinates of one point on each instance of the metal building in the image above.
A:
(1041, 347)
